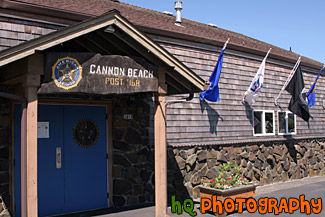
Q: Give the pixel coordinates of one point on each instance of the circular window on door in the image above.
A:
(86, 133)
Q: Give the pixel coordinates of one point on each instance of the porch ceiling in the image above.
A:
(124, 39)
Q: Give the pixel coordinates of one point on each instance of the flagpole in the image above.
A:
(225, 45)
(268, 53)
(288, 80)
(207, 83)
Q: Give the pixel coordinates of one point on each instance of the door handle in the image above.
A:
(58, 158)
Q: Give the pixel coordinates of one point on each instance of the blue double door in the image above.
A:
(72, 162)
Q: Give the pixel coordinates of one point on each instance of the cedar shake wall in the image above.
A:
(229, 119)
(14, 32)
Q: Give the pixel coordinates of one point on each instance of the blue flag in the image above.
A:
(311, 95)
(212, 94)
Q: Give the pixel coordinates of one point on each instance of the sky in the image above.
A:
(298, 24)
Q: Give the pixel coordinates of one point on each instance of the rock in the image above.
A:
(230, 156)
(213, 172)
(298, 148)
(276, 179)
(286, 165)
(204, 170)
(183, 154)
(309, 153)
(260, 156)
(118, 200)
(196, 192)
(297, 173)
(277, 150)
(252, 148)
(133, 157)
(191, 159)
(122, 187)
(238, 150)
(269, 177)
(249, 166)
(285, 149)
(119, 145)
(244, 172)
(270, 160)
(195, 179)
(312, 160)
(317, 147)
(277, 158)
(251, 157)
(202, 155)
(190, 151)
(228, 149)
(243, 163)
(211, 163)
(257, 174)
(132, 200)
(117, 172)
(188, 168)
(299, 156)
(250, 175)
(212, 154)
(119, 133)
(279, 169)
(221, 157)
(132, 136)
(198, 166)
(189, 188)
(322, 172)
(244, 155)
(187, 177)
(257, 164)
(181, 162)
(176, 151)
(121, 160)
(284, 176)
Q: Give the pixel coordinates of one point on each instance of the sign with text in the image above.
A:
(97, 74)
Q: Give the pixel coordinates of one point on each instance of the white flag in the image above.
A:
(255, 88)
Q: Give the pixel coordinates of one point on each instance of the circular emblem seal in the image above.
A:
(86, 133)
(66, 73)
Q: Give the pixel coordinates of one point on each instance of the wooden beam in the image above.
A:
(89, 45)
(160, 149)
(98, 42)
(118, 45)
(12, 73)
(128, 40)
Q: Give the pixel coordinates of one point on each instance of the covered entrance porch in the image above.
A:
(59, 81)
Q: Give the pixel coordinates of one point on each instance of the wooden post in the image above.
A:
(31, 153)
(160, 148)
(29, 198)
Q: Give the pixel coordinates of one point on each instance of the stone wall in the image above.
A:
(133, 164)
(263, 163)
(5, 142)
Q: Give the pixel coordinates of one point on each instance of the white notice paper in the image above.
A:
(43, 130)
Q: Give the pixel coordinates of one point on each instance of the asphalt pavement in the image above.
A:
(311, 187)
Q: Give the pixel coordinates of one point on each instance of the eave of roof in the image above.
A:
(156, 22)
(111, 18)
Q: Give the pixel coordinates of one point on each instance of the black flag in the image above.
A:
(298, 103)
